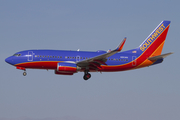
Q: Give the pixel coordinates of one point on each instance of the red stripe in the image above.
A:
(39, 65)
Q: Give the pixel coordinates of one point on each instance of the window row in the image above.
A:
(47, 56)
(67, 57)
(118, 59)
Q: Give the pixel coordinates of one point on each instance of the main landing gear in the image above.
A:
(86, 75)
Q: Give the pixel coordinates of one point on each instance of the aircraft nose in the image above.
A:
(9, 60)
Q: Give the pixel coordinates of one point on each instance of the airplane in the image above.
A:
(65, 62)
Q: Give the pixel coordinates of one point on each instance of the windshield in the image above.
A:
(17, 55)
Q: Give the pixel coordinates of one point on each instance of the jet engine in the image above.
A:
(65, 68)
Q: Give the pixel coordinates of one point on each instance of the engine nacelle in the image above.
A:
(65, 68)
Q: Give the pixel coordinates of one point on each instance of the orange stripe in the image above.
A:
(155, 53)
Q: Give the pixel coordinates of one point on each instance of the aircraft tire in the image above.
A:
(87, 76)
(24, 73)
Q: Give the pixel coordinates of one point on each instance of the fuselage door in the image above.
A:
(133, 60)
(77, 58)
(30, 56)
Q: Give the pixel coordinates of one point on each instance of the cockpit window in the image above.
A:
(17, 55)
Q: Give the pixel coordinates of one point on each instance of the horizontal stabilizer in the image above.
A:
(160, 56)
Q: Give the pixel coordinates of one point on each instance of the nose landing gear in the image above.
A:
(22, 68)
(24, 73)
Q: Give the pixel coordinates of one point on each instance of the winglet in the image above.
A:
(120, 47)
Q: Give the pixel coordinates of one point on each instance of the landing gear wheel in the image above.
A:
(24, 73)
(87, 76)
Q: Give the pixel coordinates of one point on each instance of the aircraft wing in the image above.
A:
(100, 59)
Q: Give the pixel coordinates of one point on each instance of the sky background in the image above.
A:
(151, 93)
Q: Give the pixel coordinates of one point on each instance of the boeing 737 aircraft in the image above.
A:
(70, 62)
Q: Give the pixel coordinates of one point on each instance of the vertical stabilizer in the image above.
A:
(153, 44)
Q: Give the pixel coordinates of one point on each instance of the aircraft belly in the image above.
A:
(116, 68)
(39, 65)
